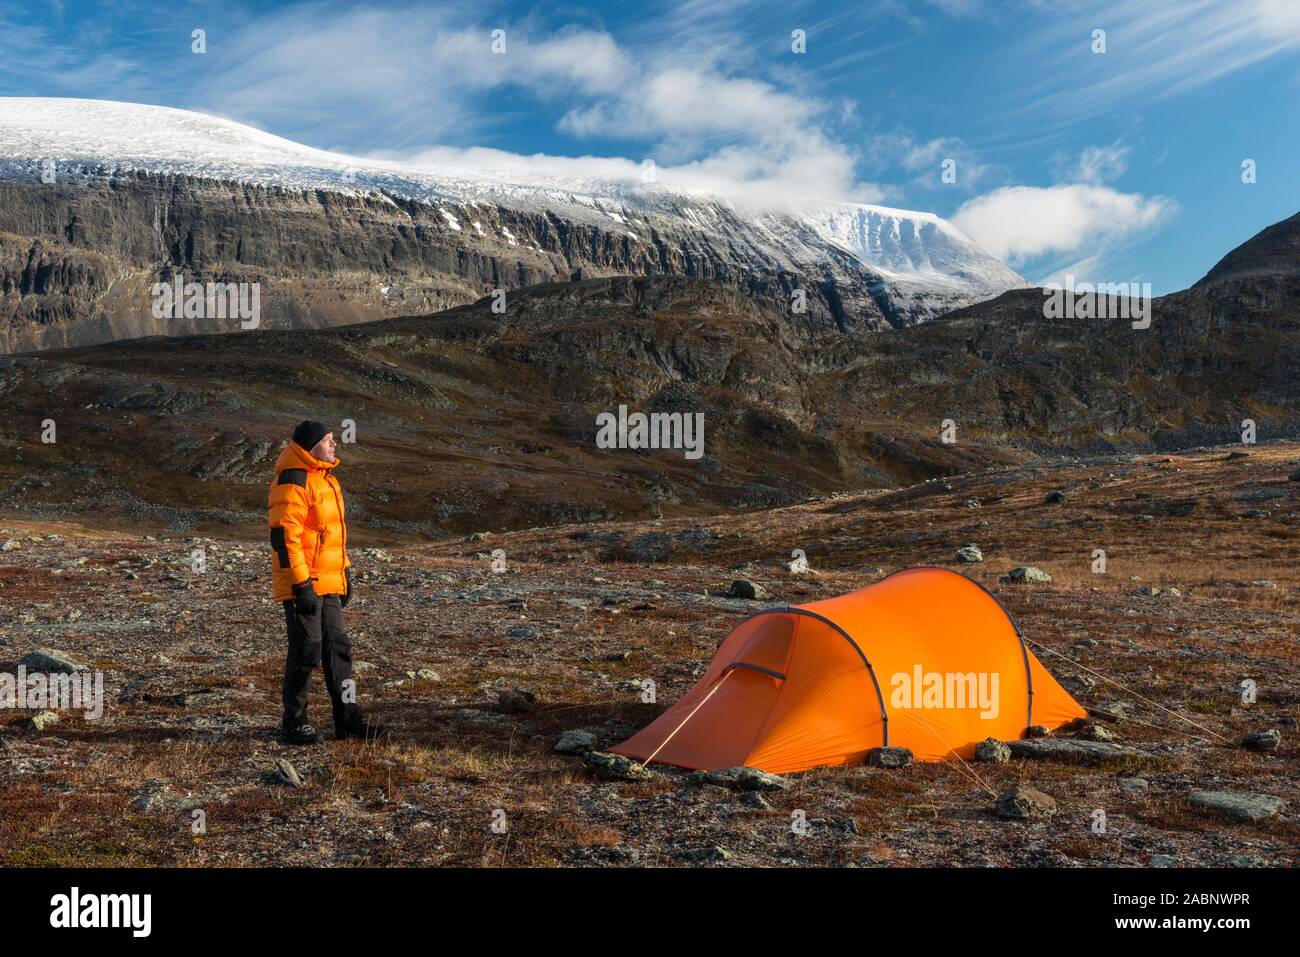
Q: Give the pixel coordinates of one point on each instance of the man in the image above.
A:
(312, 577)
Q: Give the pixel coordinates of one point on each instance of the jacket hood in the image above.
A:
(294, 456)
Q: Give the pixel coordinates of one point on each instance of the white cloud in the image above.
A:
(1018, 223)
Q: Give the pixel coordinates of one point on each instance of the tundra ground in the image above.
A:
(585, 613)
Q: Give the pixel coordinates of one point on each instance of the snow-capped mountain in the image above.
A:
(148, 188)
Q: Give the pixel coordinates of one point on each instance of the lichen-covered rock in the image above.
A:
(889, 757)
(615, 767)
(992, 751)
(1023, 803)
(748, 779)
(1027, 575)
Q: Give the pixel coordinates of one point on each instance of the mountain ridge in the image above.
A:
(141, 193)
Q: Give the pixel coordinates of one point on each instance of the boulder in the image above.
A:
(1028, 575)
(1238, 805)
(575, 742)
(992, 751)
(517, 701)
(747, 779)
(50, 659)
(970, 554)
(42, 720)
(889, 757)
(744, 588)
(286, 774)
(1070, 750)
(1023, 803)
(1262, 740)
(615, 767)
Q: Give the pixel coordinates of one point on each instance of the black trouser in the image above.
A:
(318, 639)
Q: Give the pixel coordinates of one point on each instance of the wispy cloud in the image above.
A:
(1154, 49)
(1095, 164)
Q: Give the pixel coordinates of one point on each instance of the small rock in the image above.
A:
(747, 779)
(49, 659)
(1262, 740)
(970, 554)
(151, 798)
(1162, 860)
(744, 588)
(1055, 498)
(1096, 732)
(575, 742)
(478, 536)
(1023, 803)
(42, 720)
(287, 774)
(706, 855)
(517, 701)
(615, 767)
(1238, 804)
(1263, 584)
(1028, 575)
(992, 751)
(1038, 731)
(1295, 476)
(755, 800)
(1112, 711)
(9, 544)
(889, 757)
(1130, 785)
(1077, 684)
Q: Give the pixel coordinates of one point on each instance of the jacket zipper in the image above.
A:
(343, 529)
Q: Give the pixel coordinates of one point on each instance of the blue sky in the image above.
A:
(1117, 166)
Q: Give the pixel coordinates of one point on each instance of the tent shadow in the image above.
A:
(491, 730)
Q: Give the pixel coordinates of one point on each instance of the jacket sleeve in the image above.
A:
(288, 512)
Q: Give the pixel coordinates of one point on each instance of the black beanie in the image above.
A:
(309, 433)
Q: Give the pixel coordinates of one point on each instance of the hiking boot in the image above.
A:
(361, 729)
(303, 733)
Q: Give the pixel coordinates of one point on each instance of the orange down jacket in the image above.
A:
(309, 538)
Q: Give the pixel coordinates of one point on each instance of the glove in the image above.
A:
(347, 595)
(305, 600)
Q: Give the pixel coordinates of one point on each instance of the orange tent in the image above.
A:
(925, 659)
